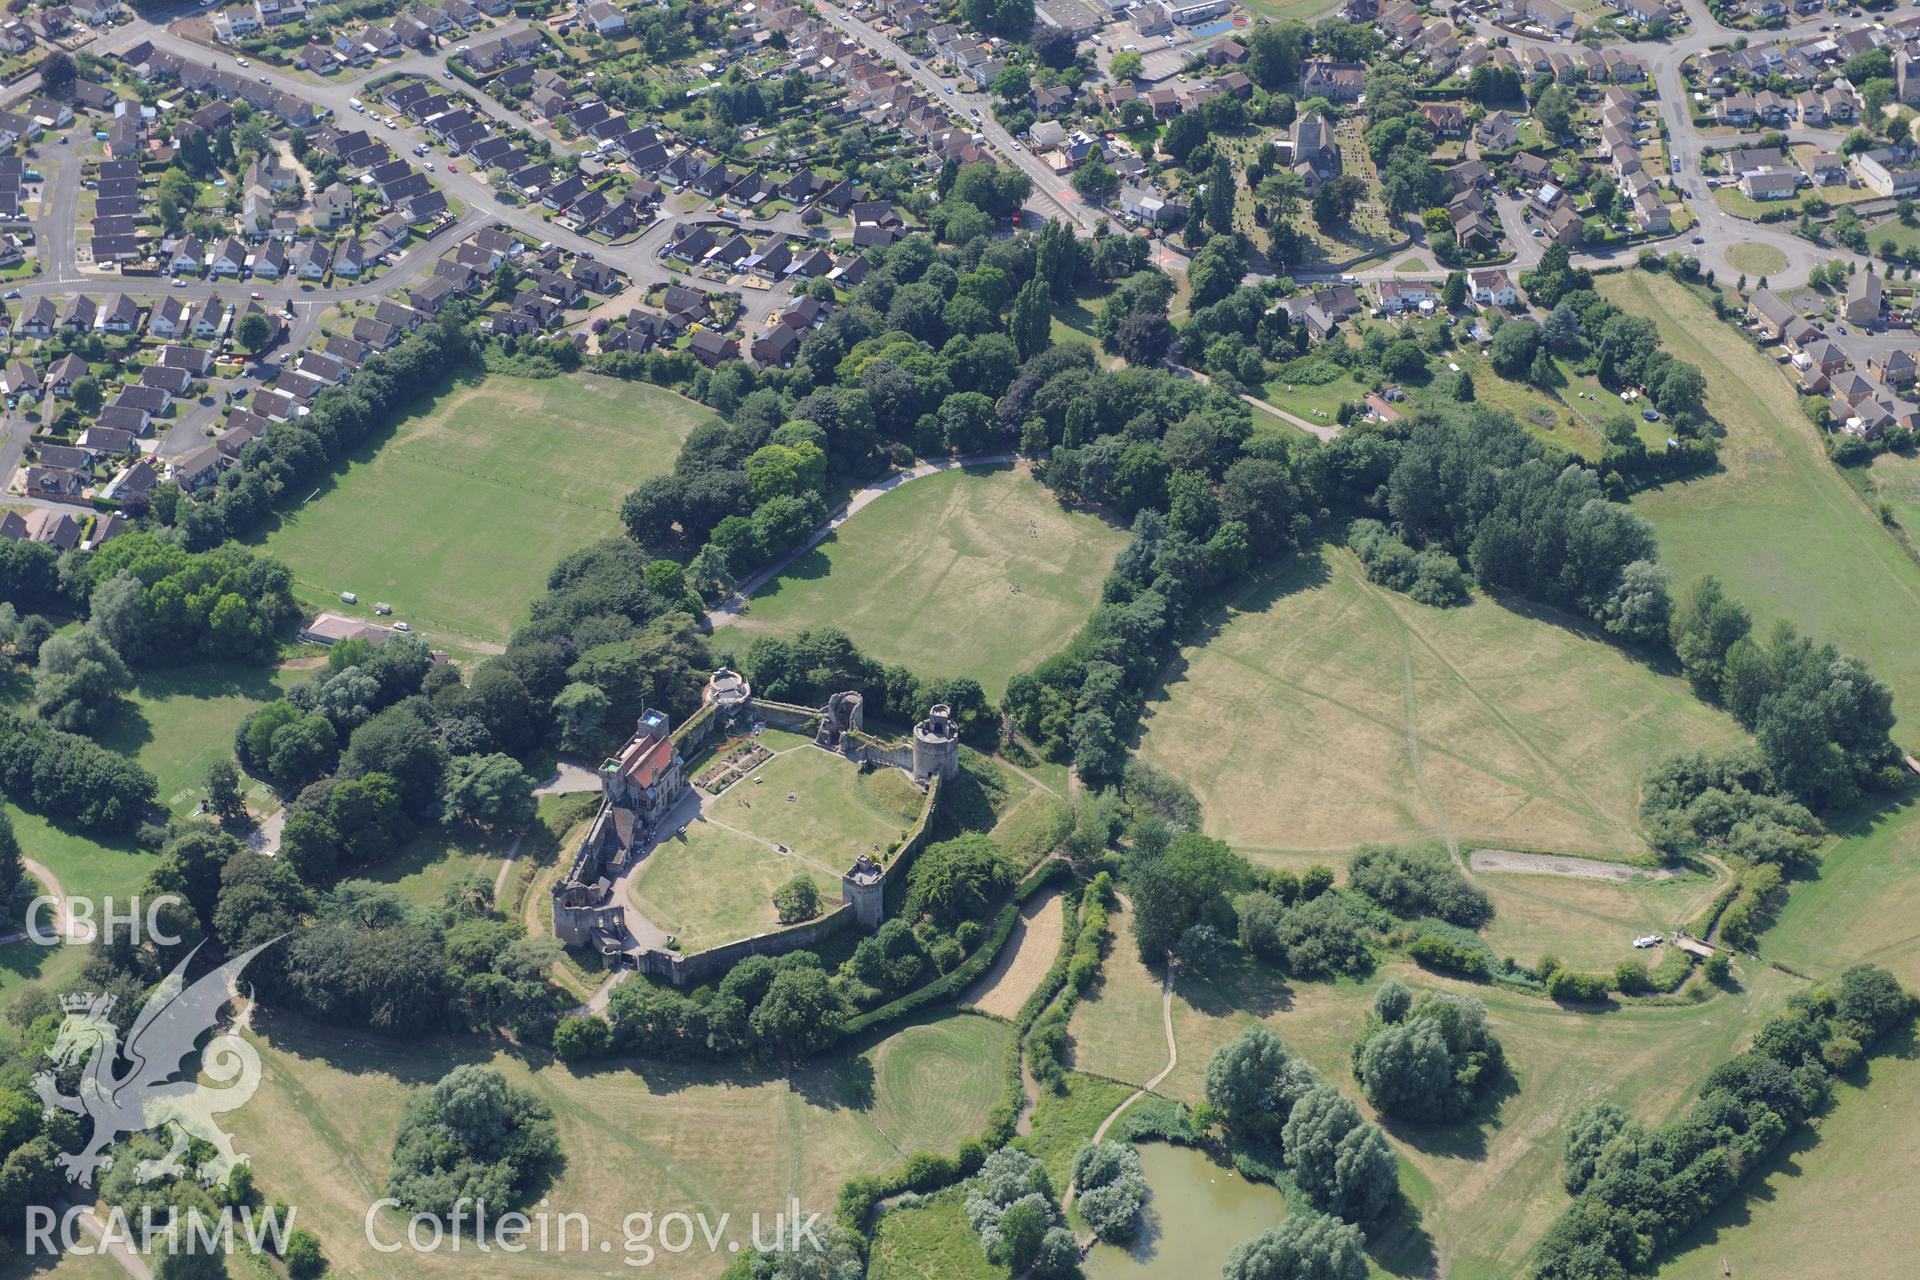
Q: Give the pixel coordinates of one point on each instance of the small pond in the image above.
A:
(1197, 1212)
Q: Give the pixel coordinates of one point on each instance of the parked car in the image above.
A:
(403, 626)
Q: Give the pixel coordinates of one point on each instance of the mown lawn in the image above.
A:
(180, 720)
(436, 860)
(707, 885)
(456, 516)
(926, 576)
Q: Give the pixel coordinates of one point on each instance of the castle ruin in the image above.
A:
(642, 785)
(638, 787)
(936, 745)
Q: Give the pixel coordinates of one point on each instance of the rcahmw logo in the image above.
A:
(156, 1091)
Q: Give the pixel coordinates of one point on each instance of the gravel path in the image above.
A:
(1553, 864)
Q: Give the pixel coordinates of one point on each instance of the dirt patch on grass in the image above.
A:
(1553, 864)
(1029, 953)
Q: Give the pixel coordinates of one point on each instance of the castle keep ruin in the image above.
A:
(639, 786)
(644, 786)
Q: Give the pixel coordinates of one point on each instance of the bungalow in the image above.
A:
(170, 380)
(106, 442)
(1770, 184)
(150, 400)
(79, 314)
(39, 318)
(120, 315)
(187, 257)
(199, 469)
(18, 378)
(123, 418)
(167, 319)
(63, 373)
(229, 258)
(271, 262)
(312, 261)
(195, 360)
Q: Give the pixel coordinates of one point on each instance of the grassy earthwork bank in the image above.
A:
(456, 515)
(1320, 712)
(926, 576)
(639, 1136)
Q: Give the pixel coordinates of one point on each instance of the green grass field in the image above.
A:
(924, 576)
(837, 814)
(930, 1241)
(1777, 524)
(84, 866)
(425, 868)
(1757, 259)
(928, 1091)
(1485, 1194)
(1835, 1202)
(456, 517)
(709, 885)
(637, 1135)
(1326, 712)
(183, 719)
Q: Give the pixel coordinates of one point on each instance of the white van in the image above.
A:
(356, 104)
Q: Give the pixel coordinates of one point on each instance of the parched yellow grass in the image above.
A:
(1016, 972)
(1486, 1195)
(636, 1135)
(708, 885)
(1588, 924)
(1325, 712)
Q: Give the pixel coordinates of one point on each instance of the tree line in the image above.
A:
(1638, 1189)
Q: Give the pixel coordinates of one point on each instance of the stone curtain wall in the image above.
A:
(699, 966)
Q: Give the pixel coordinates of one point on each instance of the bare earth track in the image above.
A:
(1553, 864)
(1029, 953)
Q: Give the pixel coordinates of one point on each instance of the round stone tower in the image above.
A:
(936, 745)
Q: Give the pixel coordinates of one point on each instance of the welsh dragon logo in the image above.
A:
(147, 1096)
